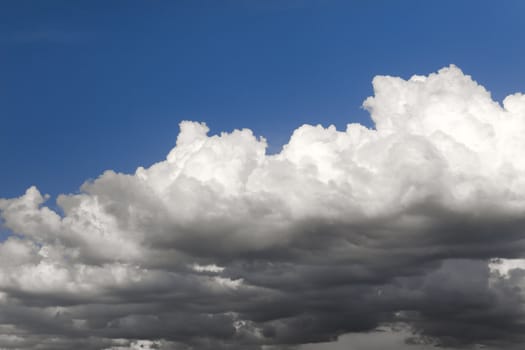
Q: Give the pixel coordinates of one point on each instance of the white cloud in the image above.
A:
(505, 266)
(220, 228)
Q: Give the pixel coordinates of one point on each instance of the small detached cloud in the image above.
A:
(418, 223)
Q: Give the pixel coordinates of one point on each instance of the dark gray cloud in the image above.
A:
(415, 228)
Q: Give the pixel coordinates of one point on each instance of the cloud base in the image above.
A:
(417, 223)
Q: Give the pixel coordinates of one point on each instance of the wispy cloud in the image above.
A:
(46, 36)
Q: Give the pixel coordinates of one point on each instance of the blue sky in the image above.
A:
(92, 85)
(412, 233)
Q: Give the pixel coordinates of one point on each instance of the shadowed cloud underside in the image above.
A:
(415, 225)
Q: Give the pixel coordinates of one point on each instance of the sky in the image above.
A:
(103, 85)
(262, 175)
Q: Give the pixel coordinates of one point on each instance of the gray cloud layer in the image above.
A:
(415, 225)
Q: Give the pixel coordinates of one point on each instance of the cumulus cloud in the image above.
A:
(417, 224)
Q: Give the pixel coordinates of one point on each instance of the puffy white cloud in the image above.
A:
(222, 245)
